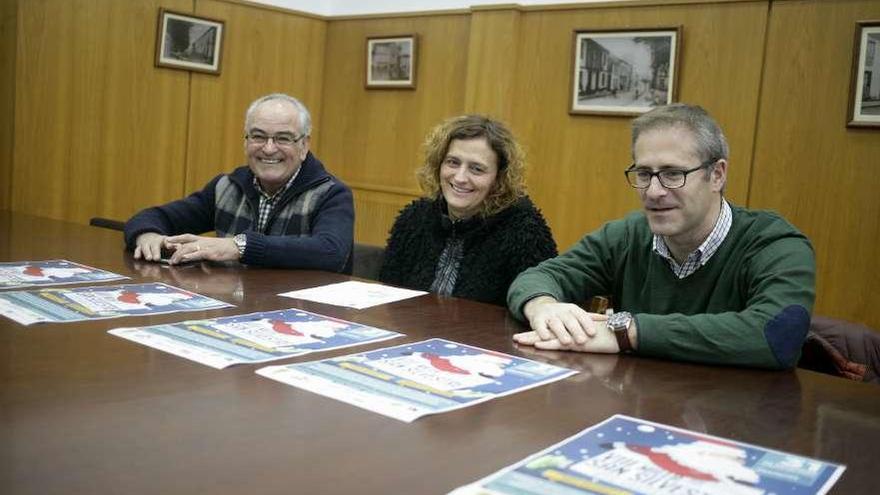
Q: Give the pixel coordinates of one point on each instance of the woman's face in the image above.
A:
(467, 175)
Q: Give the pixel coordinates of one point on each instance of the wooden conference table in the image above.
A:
(82, 411)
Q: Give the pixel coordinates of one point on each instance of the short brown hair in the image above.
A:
(710, 140)
(509, 184)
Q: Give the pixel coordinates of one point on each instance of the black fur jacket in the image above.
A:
(496, 248)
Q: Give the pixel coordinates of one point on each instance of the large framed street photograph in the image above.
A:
(391, 62)
(864, 94)
(188, 42)
(623, 72)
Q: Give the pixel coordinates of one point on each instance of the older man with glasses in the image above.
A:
(283, 209)
(692, 277)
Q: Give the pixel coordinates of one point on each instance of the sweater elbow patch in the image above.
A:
(785, 334)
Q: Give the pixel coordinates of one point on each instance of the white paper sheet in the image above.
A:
(353, 294)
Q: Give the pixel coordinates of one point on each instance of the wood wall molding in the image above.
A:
(399, 191)
(496, 6)
(630, 3)
(401, 15)
(280, 10)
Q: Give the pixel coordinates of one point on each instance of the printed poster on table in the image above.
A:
(409, 381)
(21, 274)
(100, 302)
(354, 294)
(624, 455)
(254, 337)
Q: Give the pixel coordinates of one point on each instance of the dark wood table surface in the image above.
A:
(82, 411)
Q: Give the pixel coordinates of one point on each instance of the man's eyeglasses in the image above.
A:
(281, 139)
(670, 178)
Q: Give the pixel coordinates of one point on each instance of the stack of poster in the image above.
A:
(100, 302)
(624, 455)
(21, 274)
(409, 381)
(254, 337)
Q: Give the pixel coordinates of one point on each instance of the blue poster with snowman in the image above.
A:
(624, 455)
(254, 337)
(409, 381)
(21, 274)
(55, 305)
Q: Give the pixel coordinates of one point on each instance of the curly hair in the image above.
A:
(509, 184)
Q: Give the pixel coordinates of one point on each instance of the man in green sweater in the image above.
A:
(692, 277)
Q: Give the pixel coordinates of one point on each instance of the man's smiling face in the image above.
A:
(272, 164)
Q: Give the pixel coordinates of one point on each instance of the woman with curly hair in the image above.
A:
(476, 229)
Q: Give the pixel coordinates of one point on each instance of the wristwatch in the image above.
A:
(240, 241)
(619, 323)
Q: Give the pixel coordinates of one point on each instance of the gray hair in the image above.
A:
(711, 143)
(305, 118)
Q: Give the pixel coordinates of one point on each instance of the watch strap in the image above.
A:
(619, 324)
(622, 335)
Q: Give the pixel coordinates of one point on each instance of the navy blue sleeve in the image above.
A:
(191, 215)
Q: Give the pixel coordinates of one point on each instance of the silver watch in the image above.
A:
(619, 323)
(240, 241)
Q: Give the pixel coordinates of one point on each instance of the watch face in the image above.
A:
(240, 240)
(621, 319)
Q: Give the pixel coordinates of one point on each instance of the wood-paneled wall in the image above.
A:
(99, 131)
(820, 174)
(8, 32)
(373, 136)
(578, 161)
(92, 120)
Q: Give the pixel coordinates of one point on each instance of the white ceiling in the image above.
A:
(359, 7)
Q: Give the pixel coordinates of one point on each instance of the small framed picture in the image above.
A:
(188, 42)
(391, 62)
(864, 94)
(623, 72)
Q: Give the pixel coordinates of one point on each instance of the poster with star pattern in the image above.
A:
(57, 305)
(254, 337)
(22, 274)
(412, 380)
(624, 455)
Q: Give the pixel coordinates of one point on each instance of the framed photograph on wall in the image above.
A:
(864, 93)
(391, 62)
(188, 42)
(623, 72)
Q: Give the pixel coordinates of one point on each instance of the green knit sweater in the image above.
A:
(749, 305)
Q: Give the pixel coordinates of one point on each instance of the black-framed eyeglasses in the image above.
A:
(280, 139)
(670, 178)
